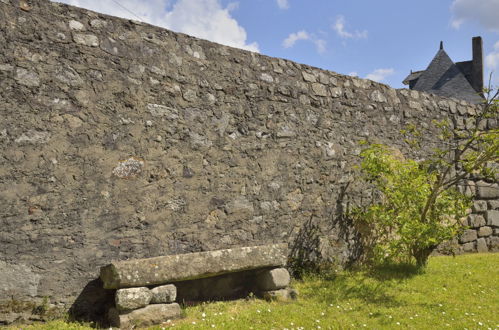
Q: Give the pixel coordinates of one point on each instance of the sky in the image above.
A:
(380, 40)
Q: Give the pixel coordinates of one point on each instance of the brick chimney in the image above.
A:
(477, 65)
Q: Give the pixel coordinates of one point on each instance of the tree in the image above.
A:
(418, 205)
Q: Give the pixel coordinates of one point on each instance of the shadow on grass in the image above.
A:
(343, 288)
(389, 272)
(374, 285)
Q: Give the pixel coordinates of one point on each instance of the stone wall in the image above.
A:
(482, 234)
(123, 140)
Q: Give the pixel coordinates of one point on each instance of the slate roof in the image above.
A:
(413, 76)
(443, 77)
(465, 68)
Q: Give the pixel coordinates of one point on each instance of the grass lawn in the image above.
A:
(453, 293)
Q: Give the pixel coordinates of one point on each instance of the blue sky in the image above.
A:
(380, 40)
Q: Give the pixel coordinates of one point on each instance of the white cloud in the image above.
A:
(294, 37)
(283, 4)
(492, 59)
(339, 27)
(208, 20)
(484, 12)
(353, 74)
(380, 74)
(492, 65)
(290, 41)
(205, 19)
(320, 45)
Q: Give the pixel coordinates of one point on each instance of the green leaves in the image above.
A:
(399, 232)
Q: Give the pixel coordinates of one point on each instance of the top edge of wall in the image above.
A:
(31, 6)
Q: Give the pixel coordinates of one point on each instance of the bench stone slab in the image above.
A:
(167, 269)
(149, 315)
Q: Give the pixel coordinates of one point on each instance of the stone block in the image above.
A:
(470, 189)
(493, 204)
(266, 77)
(319, 89)
(377, 96)
(492, 217)
(110, 46)
(33, 137)
(484, 231)
(27, 78)
(280, 295)
(147, 316)
(476, 220)
(469, 247)
(167, 269)
(75, 25)
(132, 298)
(308, 77)
(479, 206)
(164, 294)
(487, 190)
(481, 245)
(6, 67)
(240, 207)
(336, 92)
(469, 235)
(273, 279)
(86, 39)
(324, 78)
(493, 243)
(12, 275)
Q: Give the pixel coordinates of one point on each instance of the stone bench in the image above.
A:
(147, 290)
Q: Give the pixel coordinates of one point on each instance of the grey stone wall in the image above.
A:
(123, 140)
(482, 233)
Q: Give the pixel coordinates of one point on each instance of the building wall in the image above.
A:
(123, 140)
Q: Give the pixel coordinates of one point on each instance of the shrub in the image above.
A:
(393, 227)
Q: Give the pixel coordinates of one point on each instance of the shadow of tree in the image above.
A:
(304, 251)
(92, 304)
(372, 285)
(325, 241)
(391, 272)
(341, 288)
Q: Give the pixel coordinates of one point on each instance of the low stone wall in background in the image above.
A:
(482, 234)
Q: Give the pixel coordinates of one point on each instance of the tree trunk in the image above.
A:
(421, 255)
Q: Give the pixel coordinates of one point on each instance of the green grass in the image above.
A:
(453, 293)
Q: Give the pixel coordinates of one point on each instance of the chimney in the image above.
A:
(477, 65)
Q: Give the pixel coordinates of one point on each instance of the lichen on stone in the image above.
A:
(129, 168)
